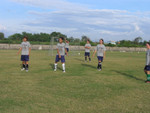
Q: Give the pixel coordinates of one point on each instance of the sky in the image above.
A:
(108, 19)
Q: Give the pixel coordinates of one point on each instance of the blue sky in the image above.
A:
(108, 19)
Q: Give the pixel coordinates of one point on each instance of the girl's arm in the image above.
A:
(19, 51)
(94, 53)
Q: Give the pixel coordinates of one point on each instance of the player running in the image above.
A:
(100, 49)
(87, 50)
(147, 67)
(25, 50)
(60, 54)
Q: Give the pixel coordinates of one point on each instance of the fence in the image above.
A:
(47, 47)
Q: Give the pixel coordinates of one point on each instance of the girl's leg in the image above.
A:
(23, 64)
(63, 67)
(89, 58)
(99, 65)
(27, 65)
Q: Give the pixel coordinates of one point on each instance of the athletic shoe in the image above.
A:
(55, 69)
(27, 70)
(99, 70)
(64, 71)
(22, 69)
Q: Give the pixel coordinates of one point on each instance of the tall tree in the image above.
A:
(85, 38)
(1, 36)
(15, 36)
(137, 40)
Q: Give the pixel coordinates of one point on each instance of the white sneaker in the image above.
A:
(22, 69)
(64, 71)
(27, 70)
(55, 69)
(99, 69)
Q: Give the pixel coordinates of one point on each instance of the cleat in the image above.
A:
(64, 71)
(22, 69)
(55, 70)
(27, 70)
(99, 70)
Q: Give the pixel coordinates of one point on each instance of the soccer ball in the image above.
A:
(78, 53)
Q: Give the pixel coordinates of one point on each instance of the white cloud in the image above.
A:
(52, 4)
(77, 20)
(2, 28)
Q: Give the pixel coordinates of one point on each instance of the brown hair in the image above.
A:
(25, 37)
(148, 43)
(102, 40)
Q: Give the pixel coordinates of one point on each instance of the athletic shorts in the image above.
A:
(58, 59)
(24, 57)
(87, 54)
(100, 58)
(67, 49)
(147, 68)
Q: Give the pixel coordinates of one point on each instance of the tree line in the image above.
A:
(45, 38)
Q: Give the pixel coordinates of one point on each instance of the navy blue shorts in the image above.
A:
(58, 59)
(24, 57)
(147, 68)
(87, 54)
(100, 58)
(67, 49)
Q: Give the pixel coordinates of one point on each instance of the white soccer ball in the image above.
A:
(78, 53)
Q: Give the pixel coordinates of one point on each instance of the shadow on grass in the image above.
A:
(52, 66)
(129, 75)
(88, 65)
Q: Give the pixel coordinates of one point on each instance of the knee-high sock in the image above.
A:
(23, 66)
(27, 66)
(85, 58)
(89, 59)
(99, 65)
(55, 66)
(63, 66)
(148, 77)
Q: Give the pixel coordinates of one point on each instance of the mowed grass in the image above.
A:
(119, 88)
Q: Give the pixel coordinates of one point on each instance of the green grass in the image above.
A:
(119, 88)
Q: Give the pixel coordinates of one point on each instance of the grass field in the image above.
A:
(119, 88)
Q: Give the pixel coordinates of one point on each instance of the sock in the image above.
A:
(55, 66)
(89, 59)
(63, 66)
(27, 66)
(100, 65)
(23, 66)
(148, 77)
(85, 58)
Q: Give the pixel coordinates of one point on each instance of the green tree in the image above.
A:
(137, 40)
(71, 39)
(57, 34)
(85, 38)
(1, 36)
(16, 36)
